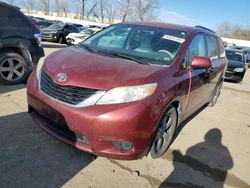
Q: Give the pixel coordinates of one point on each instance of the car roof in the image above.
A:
(8, 5)
(233, 50)
(188, 29)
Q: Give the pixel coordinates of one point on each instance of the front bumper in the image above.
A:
(99, 124)
(234, 76)
(73, 40)
(49, 37)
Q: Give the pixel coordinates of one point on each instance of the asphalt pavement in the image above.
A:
(212, 149)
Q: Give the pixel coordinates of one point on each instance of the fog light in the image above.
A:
(82, 139)
(124, 145)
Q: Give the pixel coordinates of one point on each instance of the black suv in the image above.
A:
(58, 32)
(20, 45)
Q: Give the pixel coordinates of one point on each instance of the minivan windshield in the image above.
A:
(149, 45)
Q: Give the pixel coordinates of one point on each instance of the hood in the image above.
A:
(235, 64)
(89, 70)
(46, 30)
(78, 35)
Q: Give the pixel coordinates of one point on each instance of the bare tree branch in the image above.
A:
(233, 31)
(124, 7)
(101, 9)
(45, 6)
(110, 12)
(62, 8)
(30, 5)
(145, 9)
(91, 10)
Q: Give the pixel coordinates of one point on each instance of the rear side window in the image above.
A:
(11, 18)
(221, 48)
(212, 46)
(196, 48)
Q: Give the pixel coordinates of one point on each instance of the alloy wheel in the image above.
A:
(164, 133)
(12, 69)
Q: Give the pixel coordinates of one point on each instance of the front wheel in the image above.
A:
(13, 68)
(164, 133)
(60, 39)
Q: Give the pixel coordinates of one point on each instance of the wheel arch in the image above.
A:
(19, 50)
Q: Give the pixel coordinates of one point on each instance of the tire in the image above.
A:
(60, 40)
(216, 95)
(164, 133)
(14, 68)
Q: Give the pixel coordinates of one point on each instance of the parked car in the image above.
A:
(77, 25)
(76, 38)
(236, 67)
(44, 23)
(247, 55)
(58, 32)
(125, 98)
(41, 24)
(246, 51)
(20, 45)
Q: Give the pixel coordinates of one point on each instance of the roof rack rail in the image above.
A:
(202, 27)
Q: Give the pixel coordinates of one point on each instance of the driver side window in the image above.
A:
(196, 48)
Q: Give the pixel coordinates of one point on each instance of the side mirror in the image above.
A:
(201, 63)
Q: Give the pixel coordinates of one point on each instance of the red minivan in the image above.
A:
(122, 92)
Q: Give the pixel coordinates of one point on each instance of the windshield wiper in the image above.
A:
(87, 47)
(123, 56)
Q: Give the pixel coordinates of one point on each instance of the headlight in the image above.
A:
(38, 69)
(239, 69)
(127, 94)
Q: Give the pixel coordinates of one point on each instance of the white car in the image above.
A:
(76, 38)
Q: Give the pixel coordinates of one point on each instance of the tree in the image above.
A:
(62, 8)
(124, 7)
(145, 9)
(233, 31)
(91, 10)
(45, 6)
(110, 12)
(101, 3)
(30, 5)
(83, 8)
(224, 29)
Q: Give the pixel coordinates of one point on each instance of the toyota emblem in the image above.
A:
(61, 77)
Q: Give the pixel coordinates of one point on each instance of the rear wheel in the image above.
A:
(164, 133)
(60, 39)
(13, 68)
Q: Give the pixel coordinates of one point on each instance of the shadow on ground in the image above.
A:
(31, 158)
(9, 88)
(204, 164)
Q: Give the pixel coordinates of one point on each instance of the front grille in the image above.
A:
(45, 35)
(67, 94)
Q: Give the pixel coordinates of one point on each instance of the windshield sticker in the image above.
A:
(173, 38)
